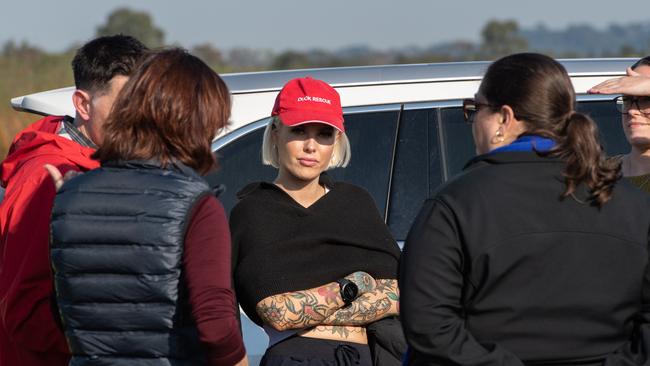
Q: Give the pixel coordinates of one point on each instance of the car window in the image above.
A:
(458, 142)
(240, 163)
(372, 138)
(604, 113)
(417, 168)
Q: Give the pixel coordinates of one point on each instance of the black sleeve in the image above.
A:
(637, 350)
(431, 282)
(373, 228)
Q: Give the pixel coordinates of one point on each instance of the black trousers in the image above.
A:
(305, 351)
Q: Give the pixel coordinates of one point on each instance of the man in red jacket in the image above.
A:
(30, 333)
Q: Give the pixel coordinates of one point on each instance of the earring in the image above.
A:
(499, 136)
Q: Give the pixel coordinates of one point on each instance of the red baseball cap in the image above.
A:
(307, 100)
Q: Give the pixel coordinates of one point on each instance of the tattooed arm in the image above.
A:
(307, 308)
(369, 307)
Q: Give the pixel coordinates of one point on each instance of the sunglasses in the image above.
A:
(626, 102)
(471, 107)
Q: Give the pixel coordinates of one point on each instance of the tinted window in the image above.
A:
(417, 168)
(609, 125)
(459, 144)
(240, 163)
(457, 138)
(371, 135)
(372, 138)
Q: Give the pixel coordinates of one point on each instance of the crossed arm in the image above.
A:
(323, 305)
(369, 307)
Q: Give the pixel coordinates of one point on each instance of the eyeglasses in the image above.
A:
(471, 107)
(626, 102)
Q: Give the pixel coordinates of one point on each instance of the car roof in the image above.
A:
(253, 92)
(252, 82)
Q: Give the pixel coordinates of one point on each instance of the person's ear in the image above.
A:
(507, 116)
(274, 133)
(510, 122)
(81, 101)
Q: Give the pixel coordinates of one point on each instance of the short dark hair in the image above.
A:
(171, 109)
(642, 62)
(98, 61)
(540, 93)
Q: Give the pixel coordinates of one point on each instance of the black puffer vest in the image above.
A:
(117, 238)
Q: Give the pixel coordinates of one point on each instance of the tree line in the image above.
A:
(25, 68)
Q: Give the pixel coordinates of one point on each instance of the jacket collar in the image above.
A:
(511, 157)
(174, 165)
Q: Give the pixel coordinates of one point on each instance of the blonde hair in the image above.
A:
(340, 156)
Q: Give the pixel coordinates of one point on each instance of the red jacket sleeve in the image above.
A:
(207, 267)
(26, 285)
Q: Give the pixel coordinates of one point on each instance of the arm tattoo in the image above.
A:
(300, 309)
(342, 331)
(363, 280)
(369, 307)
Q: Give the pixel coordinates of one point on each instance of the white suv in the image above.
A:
(404, 122)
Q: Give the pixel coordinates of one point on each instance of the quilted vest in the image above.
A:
(116, 248)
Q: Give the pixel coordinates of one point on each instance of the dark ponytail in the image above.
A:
(539, 91)
(579, 146)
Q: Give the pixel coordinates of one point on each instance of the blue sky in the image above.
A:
(291, 24)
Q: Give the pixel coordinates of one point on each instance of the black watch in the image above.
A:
(348, 290)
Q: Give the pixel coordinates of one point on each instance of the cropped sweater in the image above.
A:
(280, 246)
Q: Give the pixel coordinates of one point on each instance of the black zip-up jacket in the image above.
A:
(499, 270)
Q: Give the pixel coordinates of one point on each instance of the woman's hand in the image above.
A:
(57, 178)
(632, 84)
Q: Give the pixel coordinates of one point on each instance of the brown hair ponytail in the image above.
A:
(539, 91)
(579, 145)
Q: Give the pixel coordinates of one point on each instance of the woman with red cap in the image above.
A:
(313, 263)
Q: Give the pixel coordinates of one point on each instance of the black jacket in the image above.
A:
(116, 250)
(280, 246)
(499, 270)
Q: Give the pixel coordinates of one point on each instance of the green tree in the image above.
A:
(502, 38)
(133, 23)
(291, 60)
(628, 51)
(210, 55)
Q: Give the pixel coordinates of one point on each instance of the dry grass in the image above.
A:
(25, 73)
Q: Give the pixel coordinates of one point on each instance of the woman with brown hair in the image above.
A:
(537, 253)
(140, 247)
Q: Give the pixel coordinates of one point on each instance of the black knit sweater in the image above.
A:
(280, 246)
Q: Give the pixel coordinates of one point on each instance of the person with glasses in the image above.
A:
(538, 252)
(634, 104)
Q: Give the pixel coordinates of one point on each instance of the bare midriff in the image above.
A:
(354, 334)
